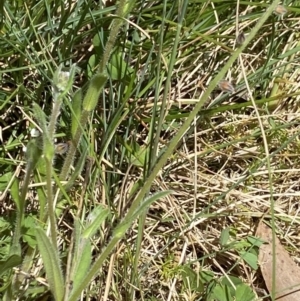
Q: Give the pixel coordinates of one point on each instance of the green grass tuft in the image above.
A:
(179, 127)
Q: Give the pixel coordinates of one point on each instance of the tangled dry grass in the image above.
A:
(219, 173)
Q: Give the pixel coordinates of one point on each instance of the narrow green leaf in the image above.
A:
(111, 130)
(15, 193)
(76, 111)
(78, 168)
(95, 218)
(148, 201)
(40, 117)
(128, 7)
(289, 53)
(52, 264)
(33, 154)
(4, 179)
(92, 95)
(75, 293)
(48, 147)
(41, 195)
(191, 116)
(125, 224)
(77, 234)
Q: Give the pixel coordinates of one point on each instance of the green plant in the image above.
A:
(142, 118)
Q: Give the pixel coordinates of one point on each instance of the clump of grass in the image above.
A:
(141, 118)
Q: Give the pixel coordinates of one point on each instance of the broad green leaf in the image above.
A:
(118, 67)
(242, 244)
(206, 276)
(138, 156)
(52, 264)
(41, 167)
(11, 262)
(6, 284)
(95, 219)
(222, 293)
(233, 279)
(244, 293)
(255, 241)
(224, 237)
(29, 231)
(96, 41)
(41, 118)
(191, 280)
(91, 65)
(250, 258)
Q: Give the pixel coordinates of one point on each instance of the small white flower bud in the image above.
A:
(63, 80)
(34, 133)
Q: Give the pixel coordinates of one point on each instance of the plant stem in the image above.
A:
(124, 7)
(54, 114)
(51, 209)
(73, 146)
(16, 248)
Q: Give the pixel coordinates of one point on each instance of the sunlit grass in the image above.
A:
(187, 245)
